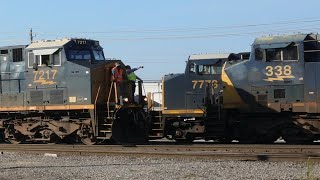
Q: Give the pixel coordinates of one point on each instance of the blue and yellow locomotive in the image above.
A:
(184, 97)
(275, 93)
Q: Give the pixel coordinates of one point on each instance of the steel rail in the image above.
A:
(222, 152)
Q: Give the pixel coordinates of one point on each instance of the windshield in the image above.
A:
(98, 55)
(79, 54)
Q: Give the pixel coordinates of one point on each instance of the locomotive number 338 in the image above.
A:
(278, 70)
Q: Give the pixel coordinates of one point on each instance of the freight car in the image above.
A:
(62, 90)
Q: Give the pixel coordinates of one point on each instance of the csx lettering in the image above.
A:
(278, 70)
(44, 75)
(200, 83)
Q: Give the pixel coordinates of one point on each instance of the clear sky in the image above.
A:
(157, 34)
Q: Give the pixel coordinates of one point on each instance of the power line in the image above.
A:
(309, 24)
(190, 29)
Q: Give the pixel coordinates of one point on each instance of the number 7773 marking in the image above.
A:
(201, 82)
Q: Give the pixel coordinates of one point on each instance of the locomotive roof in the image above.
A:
(209, 56)
(53, 43)
(48, 43)
(280, 39)
(15, 46)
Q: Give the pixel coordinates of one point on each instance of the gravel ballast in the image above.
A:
(28, 166)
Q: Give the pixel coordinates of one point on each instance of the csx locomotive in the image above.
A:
(184, 96)
(275, 93)
(256, 97)
(63, 90)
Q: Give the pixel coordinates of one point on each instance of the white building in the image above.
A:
(153, 89)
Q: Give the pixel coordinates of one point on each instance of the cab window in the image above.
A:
(209, 69)
(44, 57)
(288, 53)
(192, 68)
(258, 54)
(79, 55)
(98, 55)
(273, 54)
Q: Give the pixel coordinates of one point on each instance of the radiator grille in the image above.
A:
(36, 97)
(56, 97)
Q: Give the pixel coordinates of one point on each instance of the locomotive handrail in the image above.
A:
(108, 102)
(95, 110)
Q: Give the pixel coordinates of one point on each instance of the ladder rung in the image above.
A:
(106, 124)
(156, 129)
(106, 131)
(155, 136)
(103, 137)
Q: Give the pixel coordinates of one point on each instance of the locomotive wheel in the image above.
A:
(88, 141)
(54, 139)
(13, 136)
(15, 139)
(296, 135)
(86, 135)
(50, 135)
(188, 140)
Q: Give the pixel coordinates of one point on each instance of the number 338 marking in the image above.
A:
(278, 70)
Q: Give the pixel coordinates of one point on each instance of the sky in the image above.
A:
(160, 35)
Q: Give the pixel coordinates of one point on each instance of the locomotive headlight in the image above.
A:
(126, 99)
(145, 99)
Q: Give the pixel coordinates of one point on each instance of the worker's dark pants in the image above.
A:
(120, 89)
(132, 85)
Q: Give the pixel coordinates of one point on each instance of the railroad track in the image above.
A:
(229, 152)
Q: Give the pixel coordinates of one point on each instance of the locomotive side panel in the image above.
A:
(77, 79)
(173, 102)
(12, 77)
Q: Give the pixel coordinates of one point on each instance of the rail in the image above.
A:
(227, 152)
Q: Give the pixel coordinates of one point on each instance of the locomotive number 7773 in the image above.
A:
(201, 82)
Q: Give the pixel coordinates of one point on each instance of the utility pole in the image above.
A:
(31, 36)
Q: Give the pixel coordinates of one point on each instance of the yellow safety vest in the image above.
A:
(132, 77)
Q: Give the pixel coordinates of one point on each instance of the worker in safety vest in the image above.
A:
(117, 77)
(132, 77)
